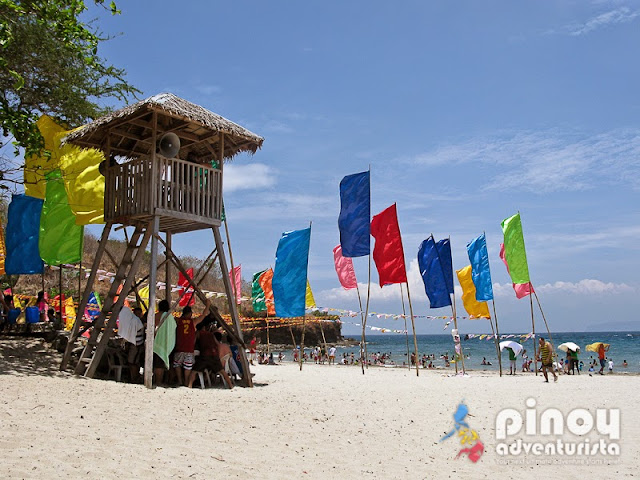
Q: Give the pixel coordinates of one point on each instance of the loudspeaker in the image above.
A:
(169, 145)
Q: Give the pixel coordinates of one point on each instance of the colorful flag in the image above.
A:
(258, 299)
(309, 301)
(290, 275)
(388, 253)
(474, 308)
(188, 296)
(265, 281)
(23, 232)
(344, 269)
(37, 166)
(521, 289)
(235, 276)
(355, 215)
(434, 261)
(3, 251)
(93, 307)
(480, 271)
(514, 251)
(60, 239)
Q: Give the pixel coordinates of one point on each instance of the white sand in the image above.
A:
(323, 422)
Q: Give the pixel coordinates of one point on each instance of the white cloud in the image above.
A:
(248, 177)
(587, 286)
(274, 126)
(276, 205)
(547, 161)
(612, 17)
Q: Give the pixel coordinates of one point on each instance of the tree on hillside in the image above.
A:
(49, 64)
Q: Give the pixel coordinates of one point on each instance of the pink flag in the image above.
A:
(344, 269)
(521, 289)
(235, 276)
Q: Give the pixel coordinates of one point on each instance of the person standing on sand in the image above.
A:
(546, 356)
(185, 344)
(611, 365)
(332, 355)
(512, 361)
(601, 356)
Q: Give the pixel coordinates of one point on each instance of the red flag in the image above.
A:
(388, 253)
(235, 275)
(189, 297)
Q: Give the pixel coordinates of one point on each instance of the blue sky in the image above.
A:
(466, 112)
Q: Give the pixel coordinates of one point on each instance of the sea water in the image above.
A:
(624, 346)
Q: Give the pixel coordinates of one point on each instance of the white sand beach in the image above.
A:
(323, 422)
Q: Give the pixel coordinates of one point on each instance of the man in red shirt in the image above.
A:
(185, 344)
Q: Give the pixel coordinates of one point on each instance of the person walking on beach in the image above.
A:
(601, 356)
(546, 356)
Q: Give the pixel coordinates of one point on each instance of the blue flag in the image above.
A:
(434, 260)
(480, 272)
(355, 215)
(290, 274)
(23, 235)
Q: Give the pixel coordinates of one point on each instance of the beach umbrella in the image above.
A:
(566, 346)
(515, 346)
(595, 346)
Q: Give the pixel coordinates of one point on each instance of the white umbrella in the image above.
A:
(515, 346)
(569, 346)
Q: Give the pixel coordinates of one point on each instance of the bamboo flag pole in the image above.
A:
(362, 317)
(543, 318)
(406, 331)
(366, 313)
(267, 323)
(455, 321)
(413, 327)
(305, 315)
(62, 312)
(533, 329)
(496, 335)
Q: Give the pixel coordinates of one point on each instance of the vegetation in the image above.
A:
(49, 64)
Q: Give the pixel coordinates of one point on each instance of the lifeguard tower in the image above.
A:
(163, 175)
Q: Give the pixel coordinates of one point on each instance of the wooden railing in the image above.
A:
(174, 188)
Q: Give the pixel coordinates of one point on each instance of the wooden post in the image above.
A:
(167, 271)
(85, 297)
(302, 342)
(324, 340)
(543, 318)
(406, 331)
(151, 311)
(293, 339)
(366, 316)
(496, 335)
(363, 333)
(533, 330)
(266, 320)
(233, 308)
(413, 327)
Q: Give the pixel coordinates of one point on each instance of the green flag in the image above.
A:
(257, 293)
(514, 251)
(60, 238)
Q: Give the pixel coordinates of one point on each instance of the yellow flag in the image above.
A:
(474, 308)
(36, 167)
(83, 181)
(3, 251)
(144, 295)
(70, 312)
(309, 301)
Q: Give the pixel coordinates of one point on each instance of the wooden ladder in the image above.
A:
(129, 265)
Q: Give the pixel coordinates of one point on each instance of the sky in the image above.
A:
(465, 112)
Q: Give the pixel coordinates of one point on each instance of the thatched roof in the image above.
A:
(128, 131)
